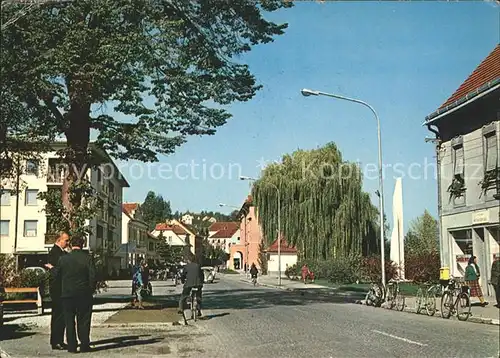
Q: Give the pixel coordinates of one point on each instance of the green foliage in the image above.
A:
(324, 212)
(8, 275)
(262, 258)
(371, 268)
(169, 254)
(30, 278)
(213, 255)
(155, 210)
(229, 271)
(422, 237)
(60, 218)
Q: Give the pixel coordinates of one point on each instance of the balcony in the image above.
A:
(55, 176)
(112, 221)
(50, 239)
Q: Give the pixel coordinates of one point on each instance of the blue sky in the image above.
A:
(403, 58)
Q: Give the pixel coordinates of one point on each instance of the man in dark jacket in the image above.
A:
(495, 279)
(193, 277)
(57, 316)
(78, 278)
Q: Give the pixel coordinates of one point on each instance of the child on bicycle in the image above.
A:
(253, 272)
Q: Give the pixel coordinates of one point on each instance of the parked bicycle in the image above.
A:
(456, 301)
(394, 297)
(376, 295)
(426, 298)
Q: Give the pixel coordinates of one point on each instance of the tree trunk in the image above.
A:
(76, 159)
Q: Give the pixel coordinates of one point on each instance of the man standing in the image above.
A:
(57, 316)
(193, 277)
(78, 277)
(495, 279)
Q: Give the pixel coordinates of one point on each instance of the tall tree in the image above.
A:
(324, 211)
(161, 64)
(155, 209)
(423, 235)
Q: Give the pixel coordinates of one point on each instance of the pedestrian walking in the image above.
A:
(77, 274)
(57, 325)
(495, 279)
(137, 287)
(472, 275)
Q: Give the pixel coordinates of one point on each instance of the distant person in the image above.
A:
(254, 271)
(193, 277)
(495, 279)
(77, 273)
(138, 286)
(57, 324)
(472, 275)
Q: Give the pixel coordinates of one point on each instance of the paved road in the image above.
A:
(248, 322)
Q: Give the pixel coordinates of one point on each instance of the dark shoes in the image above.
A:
(484, 304)
(85, 349)
(59, 347)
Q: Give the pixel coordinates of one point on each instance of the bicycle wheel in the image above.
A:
(390, 296)
(446, 304)
(419, 300)
(463, 306)
(430, 303)
(399, 300)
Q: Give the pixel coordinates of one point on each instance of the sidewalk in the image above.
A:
(486, 315)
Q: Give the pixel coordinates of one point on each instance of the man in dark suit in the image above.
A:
(193, 277)
(78, 278)
(57, 316)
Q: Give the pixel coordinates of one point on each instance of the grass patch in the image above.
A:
(229, 271)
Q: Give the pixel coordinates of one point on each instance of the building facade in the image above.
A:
(224, 235)
(34, 238)
(246, 252)
(135, 245)
(467, 128)
(288, 257)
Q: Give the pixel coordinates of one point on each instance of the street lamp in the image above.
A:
(279, 224)
(308, 92)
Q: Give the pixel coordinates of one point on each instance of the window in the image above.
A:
(32, 167)
(151, 246)
(5, 197)
(30, 228)
(4, 228)
(458, 162)
(490, 151)
(31, 197)
(100, 232)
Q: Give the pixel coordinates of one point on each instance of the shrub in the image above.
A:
(8, 274)
(422, 267)
(371, 269)
(30, 278)
(340, 270)
(292, 272)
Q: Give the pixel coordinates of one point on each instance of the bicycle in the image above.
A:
(254, 280)
(426, 297)
(394, 296)
(193, 305)
(376, 295)
(450, 307)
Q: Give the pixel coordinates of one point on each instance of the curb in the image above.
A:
(480, 320)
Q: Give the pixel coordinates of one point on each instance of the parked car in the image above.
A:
(209, 272)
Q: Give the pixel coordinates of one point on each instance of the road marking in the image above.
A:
(400, 338)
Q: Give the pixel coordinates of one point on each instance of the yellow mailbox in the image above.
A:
(444, 274)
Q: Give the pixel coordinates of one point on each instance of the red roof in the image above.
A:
(127, 208)
(285, 248)
(230, 225)
(175, 228)
(226, 233)
(487, 71)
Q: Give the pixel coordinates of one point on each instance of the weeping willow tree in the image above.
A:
(324, 211)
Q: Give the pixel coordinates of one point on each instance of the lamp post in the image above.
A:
(279, 224)
(308, 92)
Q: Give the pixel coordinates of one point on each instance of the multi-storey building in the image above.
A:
(33, 237)
(467, 128)
(224, 235)
(136, 245)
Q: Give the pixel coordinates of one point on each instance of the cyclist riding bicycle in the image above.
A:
(254, 271)
(192, 277)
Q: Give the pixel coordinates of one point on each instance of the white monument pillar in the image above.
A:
(397, 236)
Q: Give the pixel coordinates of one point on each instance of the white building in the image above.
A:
(224, 235)
(187, 219)
(135, 245)
(288, 257)
(33, 237)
